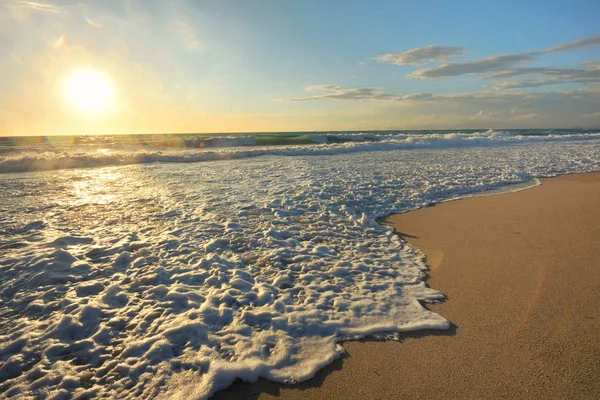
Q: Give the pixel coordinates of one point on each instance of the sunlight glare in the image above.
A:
(89, 91)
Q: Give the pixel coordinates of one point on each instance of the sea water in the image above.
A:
(170, 266)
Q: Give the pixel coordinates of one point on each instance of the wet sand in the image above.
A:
(521, 272)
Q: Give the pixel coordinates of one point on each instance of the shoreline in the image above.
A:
(523, 322)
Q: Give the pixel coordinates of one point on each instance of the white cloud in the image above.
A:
(341, 93)
(337, 92)
(503, 115)
(421, 54)
(535, 70)
(553, 76)
(473, 67)
(523, 84)
(39, 6)
(419, 97)
(496, 63)
(581, 44)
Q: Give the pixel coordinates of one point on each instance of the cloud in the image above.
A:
(581, 44)
(524, 84)
(555, 75)
(535, 70)
(337, 92)
(473, 67)
(341, 93)
(591, 63)
(503, 115)
(38, 6)
(478, 97)
(421, 54)
(419, 97)
(592, 115)
(461, 110)
(496, 63)
(322, 88)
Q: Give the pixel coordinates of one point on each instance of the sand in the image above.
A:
(522, 275)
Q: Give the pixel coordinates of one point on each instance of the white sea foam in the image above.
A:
(227, 148)
(175, 279)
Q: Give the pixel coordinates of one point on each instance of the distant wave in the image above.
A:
(42, 158)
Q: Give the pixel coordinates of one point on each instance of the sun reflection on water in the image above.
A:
(96, 186)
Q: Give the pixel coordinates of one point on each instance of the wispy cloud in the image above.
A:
(422, 54)
(473, 67)
(527, 83)
(512, 114)
(591, 63)
(552, 76)
(341, 93)
(592, 115)
(581, 44)
(38, 6)
(491, 64)
(337, 92)
(534, 70)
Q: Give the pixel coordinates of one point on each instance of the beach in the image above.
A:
(293, 199)
(521, 274)
(166, 273)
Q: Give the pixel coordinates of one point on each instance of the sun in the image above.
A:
(89, 91)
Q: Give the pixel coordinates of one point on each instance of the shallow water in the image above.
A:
(166, 278)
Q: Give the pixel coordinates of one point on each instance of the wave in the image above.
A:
(26, 159)
(12, 144)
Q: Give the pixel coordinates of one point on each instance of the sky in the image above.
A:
(296, 65)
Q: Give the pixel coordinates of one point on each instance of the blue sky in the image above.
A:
(230, 66)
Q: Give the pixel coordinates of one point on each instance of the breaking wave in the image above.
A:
(112, 151)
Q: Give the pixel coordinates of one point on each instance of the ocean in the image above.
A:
(154, 265)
